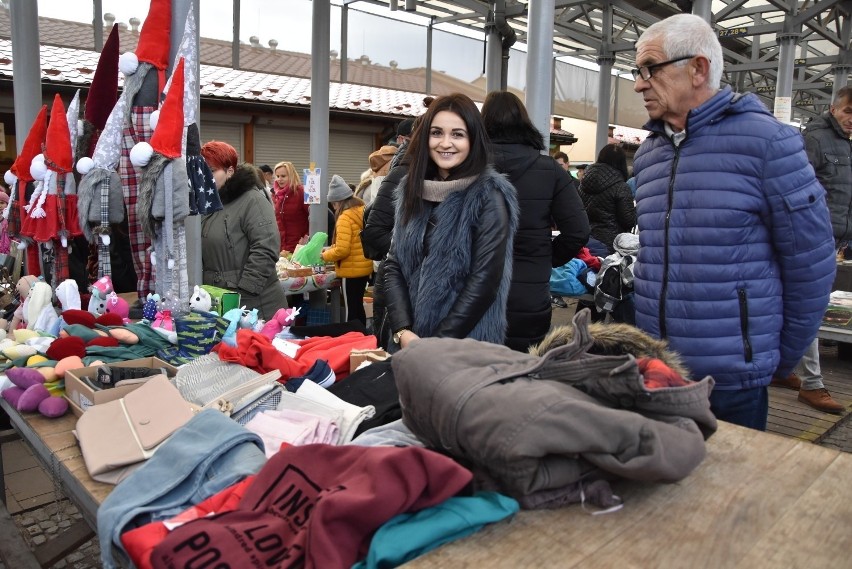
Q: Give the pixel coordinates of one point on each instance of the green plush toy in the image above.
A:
(311, 253)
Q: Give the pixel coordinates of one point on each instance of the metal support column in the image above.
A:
(703, 9)
(493, 56)
(604, 87)
(606, 59)
(429, 30)
(235, 38)
(98, 23)
(26, 67)
(784, 83)
(344, 42)
(320, 36)
(539, 70)
(844, 59)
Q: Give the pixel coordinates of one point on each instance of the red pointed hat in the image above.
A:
(103, 92)
(57, 148)
(32, 147)
(168, 136)
(153, 46)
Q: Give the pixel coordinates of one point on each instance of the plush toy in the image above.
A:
(40, 314)
(117, 305)
(68, 295)
(152, 305)
(97, 306)
(311, 254)
(201, 301)
(23, 289)
(102, 287)
(30, 394)
(282, 318)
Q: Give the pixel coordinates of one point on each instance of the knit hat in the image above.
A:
(405, 127)
(103, 92)
(32, 147)
(338, 190)
(154, 39)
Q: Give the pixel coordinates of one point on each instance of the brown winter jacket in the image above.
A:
(539, 425)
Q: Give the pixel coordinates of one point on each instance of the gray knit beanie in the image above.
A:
(339, 190)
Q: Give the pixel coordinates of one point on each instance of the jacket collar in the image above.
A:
(245, 178)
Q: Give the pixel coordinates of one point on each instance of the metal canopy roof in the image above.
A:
(748, 32)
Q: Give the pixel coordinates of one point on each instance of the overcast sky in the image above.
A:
(289, 23)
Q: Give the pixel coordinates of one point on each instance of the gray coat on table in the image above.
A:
(538, 426)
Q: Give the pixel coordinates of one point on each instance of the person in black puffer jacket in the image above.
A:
(546, 194)
(608, 199)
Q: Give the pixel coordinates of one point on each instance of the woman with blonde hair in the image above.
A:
(346, 250)
(291, 211)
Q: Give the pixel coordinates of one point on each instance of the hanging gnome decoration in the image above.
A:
(100, 200)
(103, 93)
(144, 72)
(203, 196)
(100, 101)
(45, 208)
(163, 201)
(21, 188)
(69, 222)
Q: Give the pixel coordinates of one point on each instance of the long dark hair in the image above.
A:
(613, 155)
(506, 119)
(420, 165)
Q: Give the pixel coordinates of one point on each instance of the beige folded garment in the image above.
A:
(116, 437)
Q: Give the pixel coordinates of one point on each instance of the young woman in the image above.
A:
(450, 263)
(239, 244)
(346, 251)
(546, 194)
(291, 211)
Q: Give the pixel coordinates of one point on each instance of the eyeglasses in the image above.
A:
(647, 71)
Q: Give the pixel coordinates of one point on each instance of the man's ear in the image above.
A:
(699, 69)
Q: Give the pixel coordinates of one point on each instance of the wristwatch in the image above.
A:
(397, 336)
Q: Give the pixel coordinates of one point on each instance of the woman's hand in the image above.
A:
(406, 337)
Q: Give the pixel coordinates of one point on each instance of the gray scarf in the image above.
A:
(438, 190)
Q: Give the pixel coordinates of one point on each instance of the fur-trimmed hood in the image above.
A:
(245, 179)
(615, 340)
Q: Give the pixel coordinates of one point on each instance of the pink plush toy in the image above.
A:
(117, 305)
(30, 394)
(284, 317)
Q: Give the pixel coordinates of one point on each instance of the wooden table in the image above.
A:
(758, 500)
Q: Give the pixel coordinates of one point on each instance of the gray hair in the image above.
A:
(687, 34)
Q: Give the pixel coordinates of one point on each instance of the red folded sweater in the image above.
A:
(256, 351)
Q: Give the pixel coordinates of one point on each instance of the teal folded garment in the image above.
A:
(81, 332)
(410, 535)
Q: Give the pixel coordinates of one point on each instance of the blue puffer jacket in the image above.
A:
(737, 257)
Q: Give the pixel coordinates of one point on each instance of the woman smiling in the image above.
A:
(450, 263)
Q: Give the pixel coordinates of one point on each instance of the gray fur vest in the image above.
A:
(436, 271)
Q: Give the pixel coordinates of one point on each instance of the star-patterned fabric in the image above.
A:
(203, 197)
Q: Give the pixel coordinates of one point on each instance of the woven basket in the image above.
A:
(301, 272)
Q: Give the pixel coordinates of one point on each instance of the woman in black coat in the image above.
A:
(547, 195)
(608, 199)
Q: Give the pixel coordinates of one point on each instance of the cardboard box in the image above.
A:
(82, 396)
(223, 299)
(357, 357)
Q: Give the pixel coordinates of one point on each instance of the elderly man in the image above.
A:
(736, 256)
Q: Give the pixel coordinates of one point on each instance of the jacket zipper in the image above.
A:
(665, 283)
(744, 323)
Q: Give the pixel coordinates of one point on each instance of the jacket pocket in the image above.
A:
(799, 205)
(837, 164)
(743, 301)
